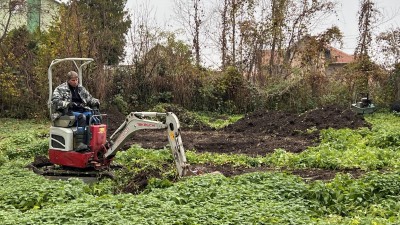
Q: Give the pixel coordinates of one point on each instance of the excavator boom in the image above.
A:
(136, 121)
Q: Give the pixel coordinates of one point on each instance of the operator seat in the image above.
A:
(64, 121)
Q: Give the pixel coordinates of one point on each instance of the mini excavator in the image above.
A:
(67, 160)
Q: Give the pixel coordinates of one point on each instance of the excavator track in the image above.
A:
(44, 167)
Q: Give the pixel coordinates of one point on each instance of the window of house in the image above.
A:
(328, 54)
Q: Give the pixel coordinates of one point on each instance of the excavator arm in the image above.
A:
(136, 121)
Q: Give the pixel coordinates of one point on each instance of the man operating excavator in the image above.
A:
(72, 98)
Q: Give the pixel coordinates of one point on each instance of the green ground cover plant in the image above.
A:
(269, 197)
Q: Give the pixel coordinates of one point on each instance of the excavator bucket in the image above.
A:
(177, 150)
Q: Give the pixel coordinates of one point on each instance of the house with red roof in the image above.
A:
(336, 59)
(329, 61)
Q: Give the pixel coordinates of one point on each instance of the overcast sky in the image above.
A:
(346, 20)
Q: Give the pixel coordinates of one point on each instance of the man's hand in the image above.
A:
(95, 102)
(66, 104)
(73, 105)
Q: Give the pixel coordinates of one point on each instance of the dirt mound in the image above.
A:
(283, 123)
(334, 117)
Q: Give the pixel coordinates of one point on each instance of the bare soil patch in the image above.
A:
(257, 133)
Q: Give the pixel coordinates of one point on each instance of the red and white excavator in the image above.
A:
(66, 159)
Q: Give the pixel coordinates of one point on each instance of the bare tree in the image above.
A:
(299, 16)
(197, 22)
(366, 19)
(191, 16)
(279, 8)
(275, 34)
(389, 46)
(246, 28)
(143, 33)
(233, 14)
(224, 32)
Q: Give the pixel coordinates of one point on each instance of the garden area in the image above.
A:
(324, 166)
(267, 128)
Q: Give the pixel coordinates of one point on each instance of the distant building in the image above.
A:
(34, 14)
(336, 59)
(329, 61)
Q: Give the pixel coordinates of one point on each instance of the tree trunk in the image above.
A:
(224, 19)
